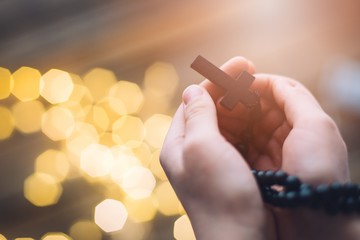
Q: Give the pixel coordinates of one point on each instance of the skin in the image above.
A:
(213, 179)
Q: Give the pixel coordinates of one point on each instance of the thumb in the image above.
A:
(200, 114)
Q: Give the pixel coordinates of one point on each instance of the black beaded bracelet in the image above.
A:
(285, 191)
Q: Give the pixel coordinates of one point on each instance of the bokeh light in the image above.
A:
(183, 229)
(57, 123)
(154, 103)
(128, 130)
(79, 100)
(6, 83)
(111, 114)
(168, 203)
(138, 182)
(42, 189)
(83, 135)
(85, 230)
(54, 163)
(28, 115)
(96, 160)
(106, 137)
(97, 116)
(155, 165)
(156, 128)
(99, 81)
(26, 84)
(7, 123)
(143, 153)
(140, 210)
(125, 97)
(56, 236)
(56, 86)
(161, 78)
(2, 237)
(110, 215)
(124, 160)
(133, 230)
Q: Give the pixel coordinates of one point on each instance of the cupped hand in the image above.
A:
(209, 175)
(293, 134)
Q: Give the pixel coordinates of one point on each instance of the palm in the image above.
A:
(299, 149)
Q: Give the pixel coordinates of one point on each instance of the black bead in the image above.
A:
(269, 177)
(260, 174)
(292, 199)
(280, 177)
(270, 196)
(305, 194)
(350, 189)
(336, 190)
(276, 200)
(349, 205)
(292, 183)
(322, 193)
(281, 198)
(281, 190)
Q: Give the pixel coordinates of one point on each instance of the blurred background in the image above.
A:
(88, 88)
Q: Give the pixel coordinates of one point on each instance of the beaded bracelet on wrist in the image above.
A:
(285, 191)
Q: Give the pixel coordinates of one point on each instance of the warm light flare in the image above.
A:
(28, 116)
(6, 83)
(96, 160)
(26, 84)
(138, 182)
(7, 123)
(85, 230)
(110, 215)
(54, 163)
(57, 123)
(157, 127)
(125, 97)
(42, 189)
(99, 81)
(56, 236)
(56, 86)
(183, 229)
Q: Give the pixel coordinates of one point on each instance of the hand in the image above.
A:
(294, 134)
(209, 175)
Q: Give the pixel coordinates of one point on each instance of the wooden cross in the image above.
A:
(236, 89)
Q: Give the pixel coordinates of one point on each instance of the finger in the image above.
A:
(171, 152)
(269, 122)
(199, 113)
(205, 150)
(233, 68)
(314, 148)
(234, 125)
(290, 96)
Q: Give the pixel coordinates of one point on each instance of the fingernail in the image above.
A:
(191, 92)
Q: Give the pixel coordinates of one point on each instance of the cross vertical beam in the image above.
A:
(236, 89)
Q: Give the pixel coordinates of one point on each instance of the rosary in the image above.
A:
(277, 187)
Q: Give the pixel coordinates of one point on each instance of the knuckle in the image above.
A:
(193, 147)
(325, 122)
(195, 109)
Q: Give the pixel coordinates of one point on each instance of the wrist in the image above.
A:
(212, 224)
